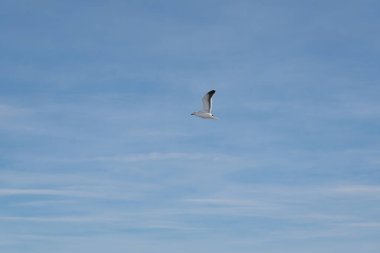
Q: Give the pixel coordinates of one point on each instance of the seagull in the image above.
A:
(207, 106)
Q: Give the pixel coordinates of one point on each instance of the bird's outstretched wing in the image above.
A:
(207, 101)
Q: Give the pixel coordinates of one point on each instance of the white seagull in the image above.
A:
(207, 106)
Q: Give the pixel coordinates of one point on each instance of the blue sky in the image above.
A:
(99, 153)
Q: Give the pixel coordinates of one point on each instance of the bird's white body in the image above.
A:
(207, 106)
(204, 115)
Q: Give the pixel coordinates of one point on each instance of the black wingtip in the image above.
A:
(211, 92)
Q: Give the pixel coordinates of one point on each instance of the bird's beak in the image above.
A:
(192, 113)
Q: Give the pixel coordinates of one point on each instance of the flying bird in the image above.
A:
(207, 106)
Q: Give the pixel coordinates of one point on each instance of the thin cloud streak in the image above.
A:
(288, 203)
(367, 190)
(375, 225)
(56, 219)
(154, 156)
(13, 191)
(138, 157)
(90, 192)
(11, 111)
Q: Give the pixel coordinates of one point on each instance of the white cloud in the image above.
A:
(14, 117)
(13, 191)
(224, 201)
(154, 156)
(63, 218)
(301, 204)
(375, 224)
(369, 190)
(137, 157)
(9, 110)
(45, 203)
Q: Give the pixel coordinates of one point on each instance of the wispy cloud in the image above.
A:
(14, 118)
(7, 110)
(136, 157)
(375, 225)
(287, 203)
(10, 192)
(71, 192)
(224, 201)
(369, 190)
(56, 219)
(154, 156)
(45, 203)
